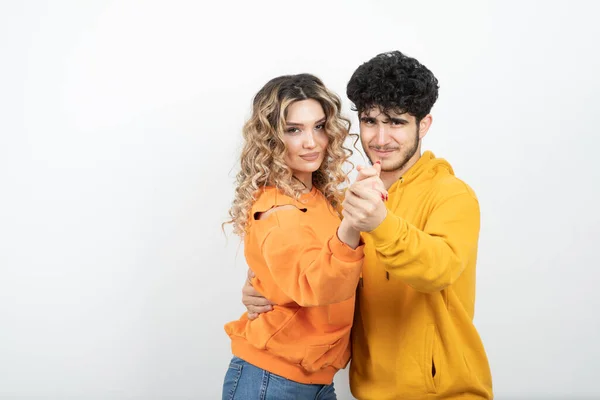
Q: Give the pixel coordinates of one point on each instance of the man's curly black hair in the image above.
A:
(393, 82)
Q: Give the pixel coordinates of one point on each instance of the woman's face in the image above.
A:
(305, 138)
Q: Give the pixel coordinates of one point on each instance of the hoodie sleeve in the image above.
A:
(310, 271)
(431, 259)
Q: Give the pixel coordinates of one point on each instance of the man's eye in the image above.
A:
(368, 120)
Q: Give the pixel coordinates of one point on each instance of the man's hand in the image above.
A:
(254, 301)
(364, 205)
(370, 177)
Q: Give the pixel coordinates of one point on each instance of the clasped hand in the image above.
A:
(364, 203)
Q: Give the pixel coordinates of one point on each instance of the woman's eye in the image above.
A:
(320, 126)
(292, 130)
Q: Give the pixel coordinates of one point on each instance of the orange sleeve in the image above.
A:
(309, 271)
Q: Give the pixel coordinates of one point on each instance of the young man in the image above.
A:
(413, 334)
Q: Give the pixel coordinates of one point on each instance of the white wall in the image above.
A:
(119, 131)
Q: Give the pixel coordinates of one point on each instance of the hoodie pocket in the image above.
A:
(266, 327)
(317, 357)
(431, 363)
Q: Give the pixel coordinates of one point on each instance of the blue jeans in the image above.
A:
(244, 381)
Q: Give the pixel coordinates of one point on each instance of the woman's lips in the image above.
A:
(310, 156)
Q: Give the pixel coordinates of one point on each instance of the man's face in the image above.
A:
(391, 138)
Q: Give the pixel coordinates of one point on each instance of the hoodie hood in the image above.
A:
(425, 167)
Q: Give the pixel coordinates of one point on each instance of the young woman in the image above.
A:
(304, 259)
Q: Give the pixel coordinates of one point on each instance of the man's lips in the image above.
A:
(383, 152)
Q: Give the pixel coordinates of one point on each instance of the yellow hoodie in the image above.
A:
(413, 335)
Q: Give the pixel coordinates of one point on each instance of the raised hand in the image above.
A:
(364, 204)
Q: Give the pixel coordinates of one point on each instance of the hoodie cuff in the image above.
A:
(345, 253)
(386, 231)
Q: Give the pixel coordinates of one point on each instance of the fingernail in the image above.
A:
(383, 197)
(377, 162)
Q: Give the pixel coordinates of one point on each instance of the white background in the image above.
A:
(119, 135)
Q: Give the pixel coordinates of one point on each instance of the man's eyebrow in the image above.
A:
(397, 120)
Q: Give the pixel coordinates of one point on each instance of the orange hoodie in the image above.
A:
(301, 265)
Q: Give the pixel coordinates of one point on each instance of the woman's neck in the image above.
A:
(305, 180)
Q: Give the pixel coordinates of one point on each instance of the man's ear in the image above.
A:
(424, 125)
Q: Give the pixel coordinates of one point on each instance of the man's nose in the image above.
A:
(381, 134)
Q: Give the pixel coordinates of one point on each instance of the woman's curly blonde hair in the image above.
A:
(262, 158)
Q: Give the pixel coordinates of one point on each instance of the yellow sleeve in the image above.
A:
(429, 260)
(311, 272)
